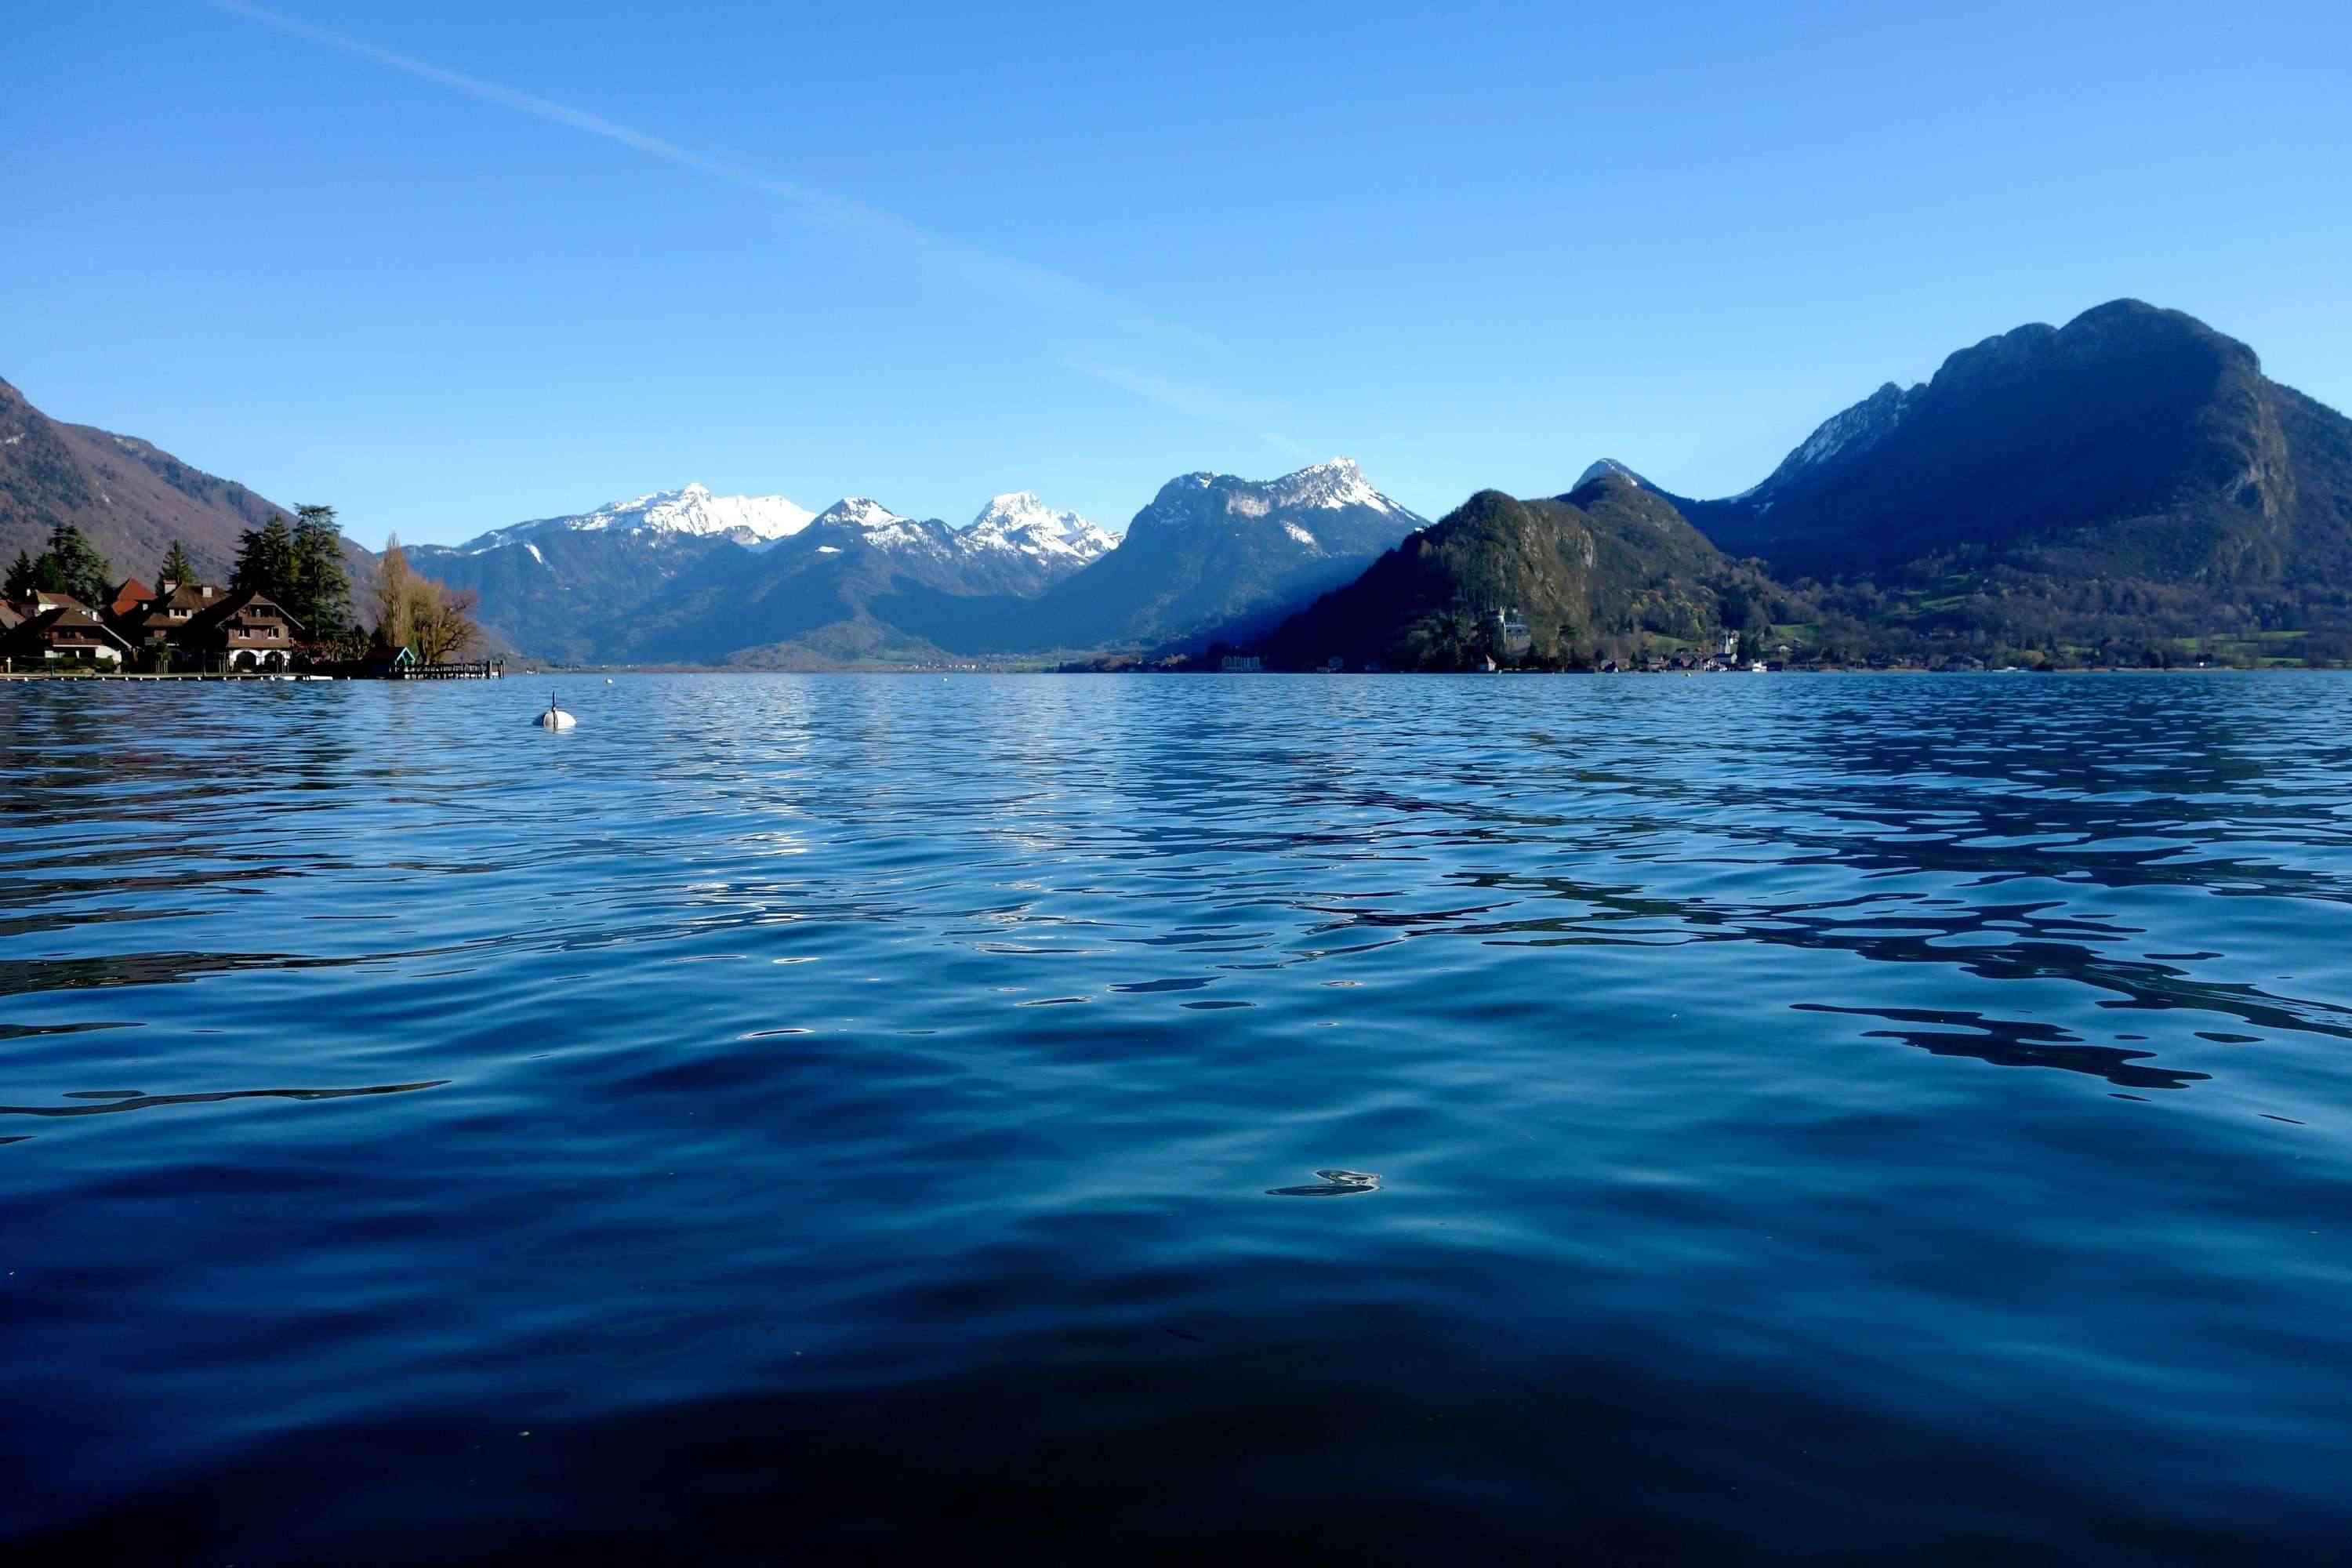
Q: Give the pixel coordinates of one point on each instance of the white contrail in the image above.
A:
(1054, 292)
(1209, 407)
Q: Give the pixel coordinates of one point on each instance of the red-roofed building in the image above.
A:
(126, 597)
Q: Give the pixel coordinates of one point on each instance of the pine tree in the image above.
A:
(176, 567)
(24, 577)
(265, 562)
(322, 588)
(80, 570)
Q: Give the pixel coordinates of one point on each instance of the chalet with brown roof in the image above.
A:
(63, 634)
(248, 631)
(168, 621)
(201, 626)
(181, 603)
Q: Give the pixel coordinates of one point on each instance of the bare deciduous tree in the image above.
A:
(393, 579)
(443, 619)
(417, 613)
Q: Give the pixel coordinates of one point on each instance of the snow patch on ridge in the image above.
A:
(1018, 521)
(876, 526)
(1337, 486)
(1329, 486)
(749, 520)
(1850, 432)
(858, 512)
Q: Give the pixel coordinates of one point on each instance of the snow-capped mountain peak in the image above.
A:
(751, 520)
(1019, 520)
(865, 521)
(1023, 508)
(1327, 510)
(857, 511)
(1330, 487)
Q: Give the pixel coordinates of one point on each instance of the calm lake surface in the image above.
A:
(839, 1117)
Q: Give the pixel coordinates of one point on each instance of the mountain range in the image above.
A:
(687, 577)
(684, 575)
(2130, 480)
(2128, 486)
(861, 582)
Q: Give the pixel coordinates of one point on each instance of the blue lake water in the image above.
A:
(842, 1118)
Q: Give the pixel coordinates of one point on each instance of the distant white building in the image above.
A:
(1242, 664)
(1513, 633)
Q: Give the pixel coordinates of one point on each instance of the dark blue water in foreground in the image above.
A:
(1865, 1118)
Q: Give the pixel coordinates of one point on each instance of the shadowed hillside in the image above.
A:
(129, 497)
(1592, 574)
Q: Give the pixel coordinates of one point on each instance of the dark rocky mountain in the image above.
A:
(2133, 444)
(1591, 575)
(563, 597)
(1214, 555)
(129, 498)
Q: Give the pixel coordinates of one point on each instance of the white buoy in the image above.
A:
(554, 718)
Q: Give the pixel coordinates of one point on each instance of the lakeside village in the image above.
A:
(286, 614)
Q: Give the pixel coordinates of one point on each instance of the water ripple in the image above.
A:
(854, 1101)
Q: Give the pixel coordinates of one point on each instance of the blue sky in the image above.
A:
(931, 252)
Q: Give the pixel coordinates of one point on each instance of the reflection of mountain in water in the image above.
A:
(2011, 1043)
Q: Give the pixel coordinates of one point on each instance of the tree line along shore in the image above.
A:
(289, 607)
